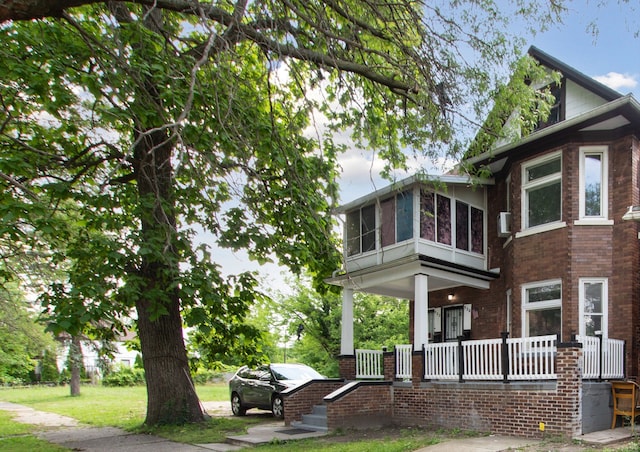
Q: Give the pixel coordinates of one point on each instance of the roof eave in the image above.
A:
(447, 179)
(627, 101)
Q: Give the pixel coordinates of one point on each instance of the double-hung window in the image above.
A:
(593, 297)
(542, 308)
(593, 184)
(542, 191)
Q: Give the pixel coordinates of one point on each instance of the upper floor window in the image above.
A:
(360, 231)
(593, 182)
(542, 191)
(404, 216)
(397, 218)
(542, 308)
(435, 217)
(469, 228)
(555, 114)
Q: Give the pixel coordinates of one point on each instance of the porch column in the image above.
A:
(420, 315)
(346, 337)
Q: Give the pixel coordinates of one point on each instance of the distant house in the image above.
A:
(92, 358)
(523, 288)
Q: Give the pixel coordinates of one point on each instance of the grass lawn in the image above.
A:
(15, 436)
(101, 406)
(125, 408)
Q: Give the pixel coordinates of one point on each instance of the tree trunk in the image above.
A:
(75, 362)
(171, 396)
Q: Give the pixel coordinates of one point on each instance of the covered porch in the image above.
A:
(412, 278)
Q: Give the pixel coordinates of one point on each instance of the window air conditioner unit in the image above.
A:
(504, 224)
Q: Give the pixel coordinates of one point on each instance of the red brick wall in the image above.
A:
(510, 409)
(567, 254)
(367, 406)
(389, 365)
(347, 367)
(302, 399)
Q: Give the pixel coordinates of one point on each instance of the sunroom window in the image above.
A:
(361, 227)
(542, 308)
(404, 216)
(542, 191)
(469, 228)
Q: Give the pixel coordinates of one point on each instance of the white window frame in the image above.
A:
(539, 305)
(527, 186)
(603, 218)
(605, 304)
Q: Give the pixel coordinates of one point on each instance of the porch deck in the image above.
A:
(554, 399)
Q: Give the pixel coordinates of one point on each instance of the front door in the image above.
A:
(453, 323)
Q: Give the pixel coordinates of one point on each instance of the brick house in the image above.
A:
(539, 250)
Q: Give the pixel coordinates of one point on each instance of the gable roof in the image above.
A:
(620, 113)
(574, 75)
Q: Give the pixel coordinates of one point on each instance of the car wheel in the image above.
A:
(277, 407)
(236, 405)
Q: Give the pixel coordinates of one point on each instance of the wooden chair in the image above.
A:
(625, 400)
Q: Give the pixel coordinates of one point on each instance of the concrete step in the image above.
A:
(315, 428)
(319, 410)
(314, 419)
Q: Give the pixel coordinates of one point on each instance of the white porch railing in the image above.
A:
(532, 358)
(369, 364)
(602, 357)
(441, 361)
(529, 358)
(404, 361)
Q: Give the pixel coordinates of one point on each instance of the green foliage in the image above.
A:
(127, 130)
(517, 106)
(207, 376)
(378, 322)
(124, 376)
(50, 372)
(22, 338)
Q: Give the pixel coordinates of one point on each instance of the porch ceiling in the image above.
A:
(396, 279)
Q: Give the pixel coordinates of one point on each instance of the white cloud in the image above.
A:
(618, 81)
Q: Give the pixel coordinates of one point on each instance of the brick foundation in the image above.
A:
(516, 408)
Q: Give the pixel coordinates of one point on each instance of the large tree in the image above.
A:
(142, 119)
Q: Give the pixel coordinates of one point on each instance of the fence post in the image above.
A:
(624, 360)
(601, 352)
(505, 357)
(460, 360)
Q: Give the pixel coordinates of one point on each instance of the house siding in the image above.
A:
(580, 100)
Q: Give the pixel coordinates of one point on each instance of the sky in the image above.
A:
(611, 57)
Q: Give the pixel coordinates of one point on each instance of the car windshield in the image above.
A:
(295, 373)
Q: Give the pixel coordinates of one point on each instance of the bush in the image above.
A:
(207, 376)
(124, 376)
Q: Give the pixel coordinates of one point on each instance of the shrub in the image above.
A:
(207, 376)
(124, 376)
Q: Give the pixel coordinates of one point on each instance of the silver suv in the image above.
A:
(260, 387)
